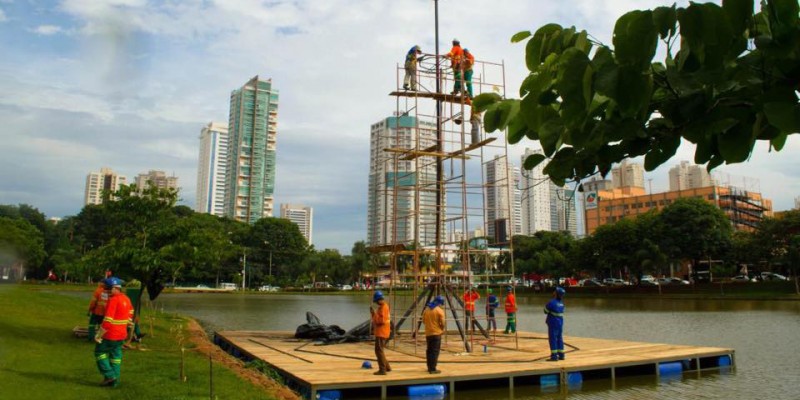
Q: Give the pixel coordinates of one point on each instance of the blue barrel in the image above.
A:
(724, 361)
(548, 380)
(574, 380)
(329, 395)
(670, 368)
(435, 390)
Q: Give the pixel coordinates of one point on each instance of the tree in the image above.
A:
(280, 240)
(694, 229)
(20, 242)
(728, 80)
(616, 246)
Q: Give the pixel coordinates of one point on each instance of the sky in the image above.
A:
(129, 84)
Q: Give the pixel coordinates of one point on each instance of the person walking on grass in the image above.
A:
(555, 324)
(97, 309)
(381, 328)
(112, 333)
(433, 318)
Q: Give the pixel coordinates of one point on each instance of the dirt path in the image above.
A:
(199, 338)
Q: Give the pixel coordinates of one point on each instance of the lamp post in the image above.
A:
(244, 269)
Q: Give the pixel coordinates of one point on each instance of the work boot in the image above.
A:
(379, 373)
(108, 382)
(436, 371)
(552, 359)
(405, 87)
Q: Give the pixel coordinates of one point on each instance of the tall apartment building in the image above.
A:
(157, 179)
(535, 191)
(392, 215)
(300, 215)
(503, 198)
(627, 175)
(211, 182)
(250, 171)
(563, 213)
(688, 176)
(97, 182)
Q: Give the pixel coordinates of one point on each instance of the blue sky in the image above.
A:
(128, 84)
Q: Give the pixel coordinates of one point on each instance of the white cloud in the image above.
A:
(3, 17)
(47, 30)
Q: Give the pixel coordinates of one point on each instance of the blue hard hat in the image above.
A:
(366, 365)
(113, 281)
(466, 50)
(377, 296)
(560, 291)
(509, 288)
(438, 300)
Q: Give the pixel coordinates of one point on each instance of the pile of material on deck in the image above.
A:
(331, 334)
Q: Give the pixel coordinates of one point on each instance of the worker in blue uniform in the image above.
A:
(555, 324)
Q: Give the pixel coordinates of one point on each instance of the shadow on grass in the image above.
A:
(42, 334)
(52, 377)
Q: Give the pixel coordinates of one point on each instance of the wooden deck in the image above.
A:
(325, 367)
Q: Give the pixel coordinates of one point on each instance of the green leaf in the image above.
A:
(633, 93)
(499, 115)
(740, 14)
(606, 78)
(535, 49)
(516, 130)
(550, 135)
(664, 19)
(572, 85)
(779, 141)
(482, 101)
(635, 39)
(492, 117)
(533, 160)
(784, 116)
(582, 42)
(735, 144)
(520, 36)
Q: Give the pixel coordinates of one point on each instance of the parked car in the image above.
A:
(678, 281)
(663, 281)
(648, 282)
(614, 282)
(346, 287)
(268, 288)
(770, 276)
(742, 278)
(591, 283)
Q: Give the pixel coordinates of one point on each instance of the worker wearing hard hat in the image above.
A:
(412, 57)
(471, 296)
(555, 324)
(511, 311)
(97, 308)
(381, 328)
(456, 56)
(466, 66)
(433, 318)
(112, 333)
(491, 304)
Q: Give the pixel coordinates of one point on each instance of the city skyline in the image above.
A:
(129, 84)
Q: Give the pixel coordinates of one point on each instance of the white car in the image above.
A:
(346, 287)
(268, 288)
(742, 278)
(770, 276)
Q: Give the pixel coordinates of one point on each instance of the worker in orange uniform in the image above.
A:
(381, 328)
(511, 311)
(97, 309)
(112, 333)
(466, 66)
(456, 56)
(433, 318)
(471, 296)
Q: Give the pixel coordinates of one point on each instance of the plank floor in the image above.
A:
(320, 367)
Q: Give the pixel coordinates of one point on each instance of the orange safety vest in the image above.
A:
(455, 54)
(380, 321)
(469, 300)
(511, 303)
(469, 61)
(99, 299)
(119, 313)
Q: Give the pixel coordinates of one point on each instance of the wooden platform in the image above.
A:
(314, 368)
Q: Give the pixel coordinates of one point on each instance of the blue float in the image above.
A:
(329, 395)
(724, 361)
(670, 369)
(574, 380)
(434, 391)
(548, 380)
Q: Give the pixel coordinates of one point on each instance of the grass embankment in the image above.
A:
(41, 359)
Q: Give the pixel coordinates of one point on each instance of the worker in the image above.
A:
(433, 318)
(471, 296)
(466, 65)
(412, 57)
(511, 311)
(491, 304)
(97, 309)
(555, 324)
(456, 56)
(112, 333)
(381, 328)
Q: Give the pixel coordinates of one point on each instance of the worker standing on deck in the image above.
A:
(471, 296)
(466, 65)
(511, 311)
(410, 80)
(456, 56)
(381, 328)
(97, 309)
(112, 333)
(555, 324)
(491, 304)
(433, 318)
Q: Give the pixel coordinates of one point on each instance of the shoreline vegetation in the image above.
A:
(40, 358)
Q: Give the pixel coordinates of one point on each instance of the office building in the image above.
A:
(157, 179)
(211, 182)
(393, 214)
(797, 203)
(300, 215)
(535, 202)
(97, 182)
(563, 214)
(503, 198)
(627, 175)
(688, 176)
(250, 171)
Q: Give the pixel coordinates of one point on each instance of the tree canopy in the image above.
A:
(729, 78)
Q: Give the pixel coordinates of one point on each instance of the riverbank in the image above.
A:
(41, 359)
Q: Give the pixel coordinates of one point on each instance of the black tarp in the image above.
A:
(329, 334)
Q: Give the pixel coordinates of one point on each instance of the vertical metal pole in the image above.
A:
(439, 147)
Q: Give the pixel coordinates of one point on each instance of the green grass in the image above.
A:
(41, 359)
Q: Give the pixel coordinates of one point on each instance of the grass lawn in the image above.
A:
(41, 359)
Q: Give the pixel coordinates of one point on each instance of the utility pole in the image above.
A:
(244, 269)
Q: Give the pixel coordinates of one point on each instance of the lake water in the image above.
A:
(764, 334)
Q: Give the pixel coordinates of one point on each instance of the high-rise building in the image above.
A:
(157, 179)
(627, 175)
(250, 171)
(97, 182)
(503, 209)
(300, 215)
(211, 182)
(797, 203)
(563, 215)
(688, 176)
(392, 215)
(535, 189)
